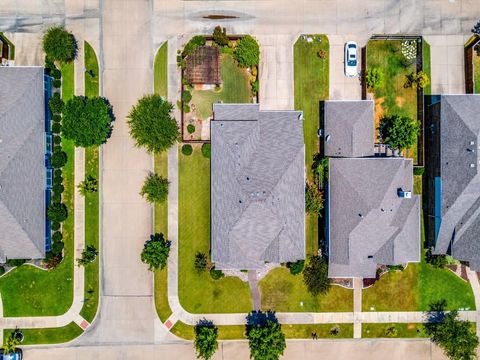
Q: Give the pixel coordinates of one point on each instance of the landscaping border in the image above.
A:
(469, 66)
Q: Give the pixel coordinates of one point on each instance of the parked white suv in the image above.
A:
(351, 59)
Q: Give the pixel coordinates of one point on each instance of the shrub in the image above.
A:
(56, 128)
(2, 270)
(415, 80)
(16, 262)
(315, 276)
(155, 252)
(60, 45)
(57, 236)
(296, 267)
(255, 87)
(57, 248)
(57, 140)
(56, 118)
(186, 96)
(313, 200)
(58, 159)
(58, 188)
(89, 185)
(57, 180)
(191, 128)
(187, 149)
(206, 150)
(194, 42)
(57, 212)
(87, 121)
(55, 104)
(373, 78)
(155, 188)
(88, 255)
(438, 261)
(49, 65)
(399, 132)
(418, 170)
(151, 124)
(56, 83)
(220, 36)
(55, 225)
(57, 173)
(322, 54)
(56, 197)
(201, 261)
(216, 274)
(247, 52)
(56, 73)
(320, 168)
(186, 108)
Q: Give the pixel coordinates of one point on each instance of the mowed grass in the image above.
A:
(476, 74)
(48, 335)
(199, 293)
(311, 86)
(160, 85)
(29, 291)
(92, 75)
(235, 88)
(393, 330)
(225, 332)
(427, 66)
(323, 331)
(284, 292)
(392, 97)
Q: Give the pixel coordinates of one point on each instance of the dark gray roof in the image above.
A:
(349, 128)
(369, 223)
(460, 189)
(257, 186)
(22, 167)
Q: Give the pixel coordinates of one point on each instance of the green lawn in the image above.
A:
(402, 330)
(392, 97)
(225, 332)
(284, 292)
(48, 335)
(160, 71)
(235, 88)
(92, 211)
(29, 291)
(476, 74)
(92, 75)
(427, 67)
(199, 293)
(310, 87)
(304, 331)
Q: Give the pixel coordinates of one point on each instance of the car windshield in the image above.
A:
(352, 62)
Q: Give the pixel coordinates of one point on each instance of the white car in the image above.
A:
(351, 59)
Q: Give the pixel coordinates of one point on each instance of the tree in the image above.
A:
(155, 252)
(417, 79)
(57, 212)
(206, 335)
(58, 159)
(89, 185)
(454, 336)
(265, 337)
(315, 275)
(206, 150)
(151, 124)
(247, 52)
(155, 188)
(87, 121)
(476, 28)
(373, 78)
(60, 45)
(399, 132)
(56, 104)
(313, 200)
(201, 261)
(192, 45)
(296, 267)
(220, 36)
(88, 255)
(12, 342)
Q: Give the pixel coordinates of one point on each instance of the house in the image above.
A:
(454, 179)
(257, 186)
(372, 216)
(22, 163)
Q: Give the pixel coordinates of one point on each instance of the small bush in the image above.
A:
(438, 261)
(16, 262)
(247, 52)
(57, 248)
(2, 270)
(56, 118)
(186, 96)
(194, 42)
(313, 200)
(57, 83)
(88, 255)
(56, 197)
(57, 140)
(220, 36)
(88, 186)
(58, 159)
(255, 87)
(57, 212)
(56, 128)
(415, 80)
(55, 226)
(296, 267)
(56, 74)
(49, 64)
(57, 180)
(216, 274)
(155, 188)
(186, 108)
(201, 261)
(207, 150)
(418, 170)
(57, 172)
(58, 188)
(373, 78)
(191, 128)
(187, 149)
(57, 236)
(56, 104)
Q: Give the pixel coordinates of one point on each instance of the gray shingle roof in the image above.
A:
(369, 223)
(257, 186)
(460, 189)
(349, 128)
(22, 167)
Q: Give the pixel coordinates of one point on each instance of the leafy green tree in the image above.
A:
(58, 159)
(373, 78)
(60, 45)
(56, 104)
(155, 188)
(88, 255)
(454, 336)
(191, 46)
(201, 261)
(296, 267)
(57, 212)
(151, 124)
(87, 121)
(220, 36)
(88, 186)
(399, 132)
(155, 252)
(206, 343)
(315, 275)
(206, 150)
(247, 52)
(11, 342)
(265, 337)
(313, 200)
(417, 79)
